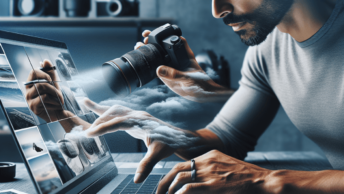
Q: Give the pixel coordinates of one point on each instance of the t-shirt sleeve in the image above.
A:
(248, 113)
(254, 71)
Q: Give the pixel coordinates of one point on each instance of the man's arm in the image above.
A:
(221, 174)
(237, 127)
(300, 182)
(235, 130)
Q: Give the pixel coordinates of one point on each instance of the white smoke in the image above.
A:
(155, 131)
(212, 74)
(199, 76)
(164, 104)
(78, 131)
(54, 151)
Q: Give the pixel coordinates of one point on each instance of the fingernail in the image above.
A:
(137, 176)
(163, 71)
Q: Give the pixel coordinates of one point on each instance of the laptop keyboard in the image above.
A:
(149, 186)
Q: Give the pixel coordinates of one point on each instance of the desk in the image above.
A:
(308, 161)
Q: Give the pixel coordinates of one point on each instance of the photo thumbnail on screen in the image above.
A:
(31, 142)
(6, 73)
(45, 173)
(15, 105)
(23, 71)
(65, 66)
(49, 99)
(80, 153)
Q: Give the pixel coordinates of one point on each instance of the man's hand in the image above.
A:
(193, 84)
(215, 173)
(49, 93)
(139, 125)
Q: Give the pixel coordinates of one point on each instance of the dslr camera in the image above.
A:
(116, 8)
(35, 8)
(138, 67)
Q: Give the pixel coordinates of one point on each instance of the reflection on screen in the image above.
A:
(46, 110)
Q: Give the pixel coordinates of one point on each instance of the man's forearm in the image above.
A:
(300, 182)
(207, 141)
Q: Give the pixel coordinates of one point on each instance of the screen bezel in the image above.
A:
(2, 107)
(106, 162)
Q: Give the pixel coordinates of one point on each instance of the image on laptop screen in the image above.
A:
(45, 108)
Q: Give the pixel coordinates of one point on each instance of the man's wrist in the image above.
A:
(299, 182)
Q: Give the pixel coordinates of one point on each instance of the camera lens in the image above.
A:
(134, 69)
(30, 7)
(114, 8)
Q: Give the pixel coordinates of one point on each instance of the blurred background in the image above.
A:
(96, 31)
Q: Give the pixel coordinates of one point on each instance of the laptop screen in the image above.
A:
(45, 107)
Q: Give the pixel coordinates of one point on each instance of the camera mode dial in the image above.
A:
(175, 39)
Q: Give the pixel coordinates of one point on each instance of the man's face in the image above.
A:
(252, 20)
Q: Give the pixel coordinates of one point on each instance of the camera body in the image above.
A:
(138, 67)
(168, 37)
(117, 8)
(77, 8)
(36, 8)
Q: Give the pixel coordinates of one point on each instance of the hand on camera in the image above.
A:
(140, 125)
(193, 84)
(48, 93)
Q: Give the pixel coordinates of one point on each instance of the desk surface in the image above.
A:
(308, 161)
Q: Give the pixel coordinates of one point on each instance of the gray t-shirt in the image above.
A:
(306, 79)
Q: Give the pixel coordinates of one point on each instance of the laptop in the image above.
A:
(44, 106)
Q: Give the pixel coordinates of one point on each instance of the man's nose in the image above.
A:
(221, 8)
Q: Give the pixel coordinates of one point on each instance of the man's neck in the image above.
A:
(306, 17)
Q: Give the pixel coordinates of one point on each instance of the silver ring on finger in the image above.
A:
(193, 175)
(193, 165)
(193, 170)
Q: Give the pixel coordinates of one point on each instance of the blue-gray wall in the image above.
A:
(91, 47)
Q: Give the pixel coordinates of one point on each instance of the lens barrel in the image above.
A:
(134, 69)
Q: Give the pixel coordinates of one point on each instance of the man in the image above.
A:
(296, 60)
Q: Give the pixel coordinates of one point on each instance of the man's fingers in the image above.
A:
(38, 74)
(146, 33)
(101, 127)
(138, 45)
(146, 166)
(52, 73)
(145, 40)
(170, 73)
(167, 180)
(194, 188)
(156, 152)
(36, 106)
(188, 49)
(47, 88)
(181, 179)
(98, 109)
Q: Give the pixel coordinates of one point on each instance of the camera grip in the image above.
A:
(177, 52)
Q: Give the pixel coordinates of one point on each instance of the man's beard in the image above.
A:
(264, 19)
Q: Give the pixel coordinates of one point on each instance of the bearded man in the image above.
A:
(296, 60)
